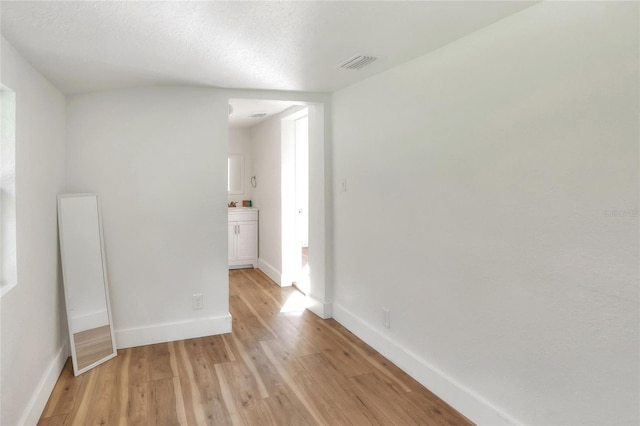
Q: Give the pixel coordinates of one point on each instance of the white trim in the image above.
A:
(273, 273)
(170, 332)
(467, 402)
(321, 309)
(43, 390)
(286, 280)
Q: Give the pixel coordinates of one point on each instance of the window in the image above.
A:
(7, 190)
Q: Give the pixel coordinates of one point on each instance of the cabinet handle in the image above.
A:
(237, 229)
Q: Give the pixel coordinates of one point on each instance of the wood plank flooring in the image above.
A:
(279, 366)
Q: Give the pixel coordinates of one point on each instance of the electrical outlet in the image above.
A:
(386, 317)
(197, 301)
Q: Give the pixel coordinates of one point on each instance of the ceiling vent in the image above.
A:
(357, 62)
(258, 115)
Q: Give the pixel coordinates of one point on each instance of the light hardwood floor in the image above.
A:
(276, 368)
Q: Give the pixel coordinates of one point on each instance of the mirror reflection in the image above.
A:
(85, 282)
(235, 174)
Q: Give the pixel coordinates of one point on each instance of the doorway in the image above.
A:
(286, 167)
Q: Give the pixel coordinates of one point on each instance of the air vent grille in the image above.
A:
(258, 115)
(357, 62)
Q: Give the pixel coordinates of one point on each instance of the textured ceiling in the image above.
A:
(96, 45)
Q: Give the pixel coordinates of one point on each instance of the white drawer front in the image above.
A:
(242, 215)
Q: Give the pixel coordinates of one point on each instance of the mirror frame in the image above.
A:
(114, 352)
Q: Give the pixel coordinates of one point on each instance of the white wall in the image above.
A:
(34, 330)
(240, 143)
(492, 207)
(158, 159)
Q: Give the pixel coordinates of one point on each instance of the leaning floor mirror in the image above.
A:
(84, 275)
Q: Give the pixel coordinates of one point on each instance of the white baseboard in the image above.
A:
(42, 392)
(455, 394)
(170, 332)
(321, 309)
(272, 273)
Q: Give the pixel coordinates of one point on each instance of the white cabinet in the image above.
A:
(243, 237)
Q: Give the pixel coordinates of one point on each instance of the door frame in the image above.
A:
(320, 194)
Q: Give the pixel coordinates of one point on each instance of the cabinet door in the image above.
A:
(247, 241)
(231, 241)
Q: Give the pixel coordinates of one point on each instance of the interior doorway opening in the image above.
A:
(284, 167)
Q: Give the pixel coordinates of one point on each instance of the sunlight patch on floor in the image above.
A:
(303, 282)
(296, 303)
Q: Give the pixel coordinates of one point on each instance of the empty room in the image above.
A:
(320, 213)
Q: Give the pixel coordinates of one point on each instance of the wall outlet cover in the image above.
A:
(197, 301)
